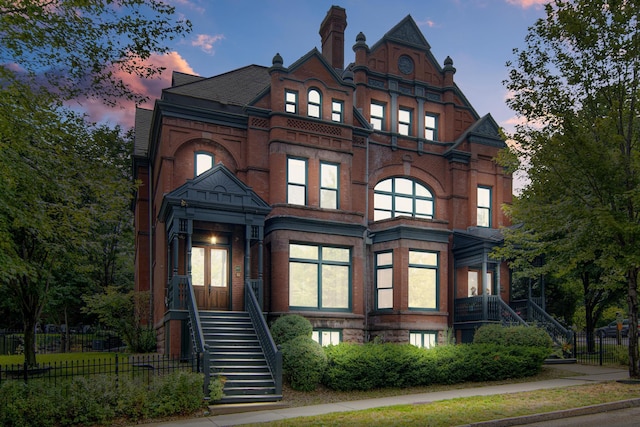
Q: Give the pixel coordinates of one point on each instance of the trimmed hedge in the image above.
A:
(290, 326)
(371, 366)
(528, 336)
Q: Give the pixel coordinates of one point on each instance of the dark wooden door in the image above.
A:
(210, 277)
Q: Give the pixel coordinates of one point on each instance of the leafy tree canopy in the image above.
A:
(576, 88)
(83, 47)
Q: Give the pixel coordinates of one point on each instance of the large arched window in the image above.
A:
(398, 196)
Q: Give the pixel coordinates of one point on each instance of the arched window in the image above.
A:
(203, 162)
(314, 103)
(398, 196)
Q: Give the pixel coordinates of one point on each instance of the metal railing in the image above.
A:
(115, 366)
(271, 352)
(559, 334)
(489, 308)
(197, 336)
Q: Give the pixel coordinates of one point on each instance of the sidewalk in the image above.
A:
(586, 375)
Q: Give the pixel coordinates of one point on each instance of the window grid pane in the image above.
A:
(319, 277)
(404, 122)
(423, 280)
(291, 102)
(401, 196)
(377, 116)
(313, 107)
(297, 181)
(336, 111)
(430, 127)
(329, 176)
(484, 207)
(384, 280)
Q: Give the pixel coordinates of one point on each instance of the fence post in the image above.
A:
(601, 352)
(116, 371)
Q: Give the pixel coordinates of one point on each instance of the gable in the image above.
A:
(215, 190)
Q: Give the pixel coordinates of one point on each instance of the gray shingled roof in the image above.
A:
(236, 87)
(142, 127)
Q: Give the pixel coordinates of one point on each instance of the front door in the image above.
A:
(210, 277)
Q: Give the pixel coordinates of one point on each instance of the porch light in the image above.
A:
(213, 239)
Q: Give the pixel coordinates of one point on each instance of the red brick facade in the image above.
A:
(243, 119)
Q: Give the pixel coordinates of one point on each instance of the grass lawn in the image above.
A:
(473, 409)
(18, 359)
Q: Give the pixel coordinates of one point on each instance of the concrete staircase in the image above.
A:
(235, 353)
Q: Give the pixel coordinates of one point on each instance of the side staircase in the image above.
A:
(235, 354)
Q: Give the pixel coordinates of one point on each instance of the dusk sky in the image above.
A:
(479, 35)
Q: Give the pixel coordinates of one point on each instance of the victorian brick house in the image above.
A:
(363, 196)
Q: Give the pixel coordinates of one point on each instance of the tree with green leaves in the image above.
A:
(61, 177)
(576, 86)
(82, 48)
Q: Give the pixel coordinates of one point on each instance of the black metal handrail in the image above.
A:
(197, 335)
(507, 315)
(271, 352)
(559, 334)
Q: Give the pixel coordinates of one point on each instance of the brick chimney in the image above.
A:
(332, 36)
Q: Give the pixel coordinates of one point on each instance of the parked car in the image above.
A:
(611, 330)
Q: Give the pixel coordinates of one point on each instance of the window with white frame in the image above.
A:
(329, 185)
(337, 108)
(377, 116)
(314, 103)
(291, 101)
(423, 339)
(484, 207)
(400, 196)
(296, 181)
(404, 121)
(423, 280)
(326, 337)
(203, 162)
(384, 280)
(319, 277)
(431, 127)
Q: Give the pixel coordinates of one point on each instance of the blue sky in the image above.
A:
(479, 35)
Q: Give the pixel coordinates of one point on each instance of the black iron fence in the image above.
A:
(12, 341)
(597, 349)
(115, 366)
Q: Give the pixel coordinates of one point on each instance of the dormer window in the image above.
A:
(291, 102)
(314, 103)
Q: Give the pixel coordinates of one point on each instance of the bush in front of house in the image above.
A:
(98, 400)
(290, 326)
(303, 363)
(371, 366)
(520, 335)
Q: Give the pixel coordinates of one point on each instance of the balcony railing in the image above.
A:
(488, 308)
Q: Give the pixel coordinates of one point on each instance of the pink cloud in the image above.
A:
(123, 113)
(206, 42)
(525, 4)
(428, 22)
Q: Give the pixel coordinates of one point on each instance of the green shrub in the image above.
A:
(290, 326)
(527, 336)
(98, 400)
(303, 363)
(370, 366)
